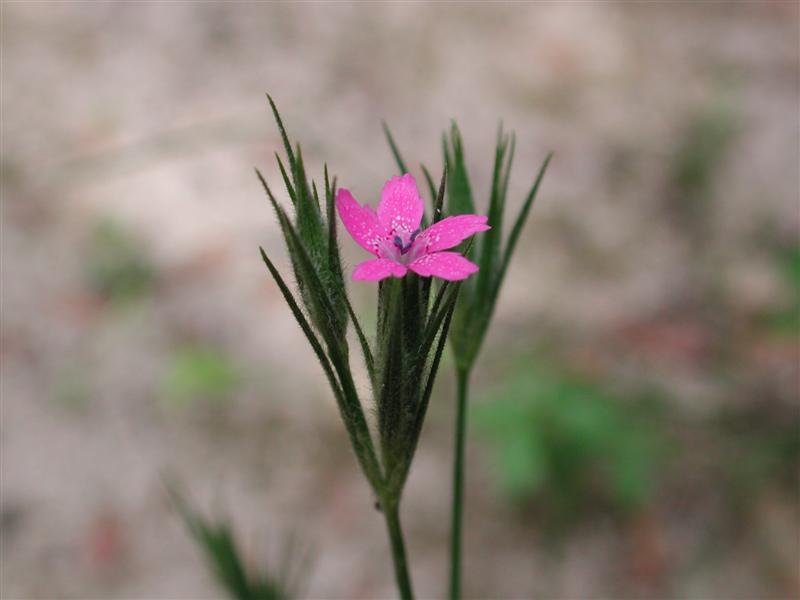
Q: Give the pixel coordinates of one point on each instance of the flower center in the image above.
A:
(400, 247)
(405, 246)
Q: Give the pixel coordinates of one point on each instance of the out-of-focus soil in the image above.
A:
(151, 116)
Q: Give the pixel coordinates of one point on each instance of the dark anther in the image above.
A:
(398, 242)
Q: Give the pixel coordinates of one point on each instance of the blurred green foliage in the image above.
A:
(569, 444)
(761, 445)
(709, 132)
(71, 391)
(115, 267)
(198, 372)
(785, 319)
(790, 266)
(768, 455)
(224, 556)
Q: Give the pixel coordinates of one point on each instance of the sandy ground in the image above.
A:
(151, 115)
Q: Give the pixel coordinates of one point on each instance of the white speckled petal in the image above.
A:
(361, 222)
(400, 209)
(451, 231)
(446, 265)
(377, 269)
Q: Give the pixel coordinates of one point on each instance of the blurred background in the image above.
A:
(634, 430)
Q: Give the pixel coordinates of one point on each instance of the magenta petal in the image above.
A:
(361, 222)
(451, 231)
(447, 265)
(400, 209)
(377, 269)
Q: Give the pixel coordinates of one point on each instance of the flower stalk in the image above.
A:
(462, 388)
(401, 573)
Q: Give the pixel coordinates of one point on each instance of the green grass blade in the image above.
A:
(437, 208)
(437, 317)
(401, 165)
(274, 203)
(336, 342)
(287, 182)
(286, 144)
(308, 217)
(322, 309)
(518, 225)
(489, 243)
(437, 300)
(422, 407)
(222, 554)
(315, 193)
(425, 288)
(459, 195)
(426, 395)
(346, 395)
(431, 185)
(304, 324)
(509, 164)
(334, 259)
(302, 187)
(389, 397)
(369, 361)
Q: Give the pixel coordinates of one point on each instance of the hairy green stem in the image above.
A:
(462, 382)
(402, 576)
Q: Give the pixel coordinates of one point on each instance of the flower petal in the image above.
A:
(377, 269)
(361, 222)
(451, 231)
(400, 209)
(447, 265)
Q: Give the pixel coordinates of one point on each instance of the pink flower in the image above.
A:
(393, 236)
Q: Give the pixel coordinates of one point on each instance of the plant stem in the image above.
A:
(462, 379)
(392, 513)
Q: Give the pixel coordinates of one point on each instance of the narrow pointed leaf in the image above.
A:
(286, 181)
(401, 165)
(431, 186)
(436, 359)
(304, 324)
(334, 260)
(274, 203)
(439, 205)
(337, 348)
(509, 164)
(436, 319)
(518, 225)
(325, 315)
(425, 289)
(346, 396)
(437, 301)
(388, 396)
(489, 243)
(301, 182)
(286, 144)
(314, 192)
(459, 191)
(422, 407)
(365, 347)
